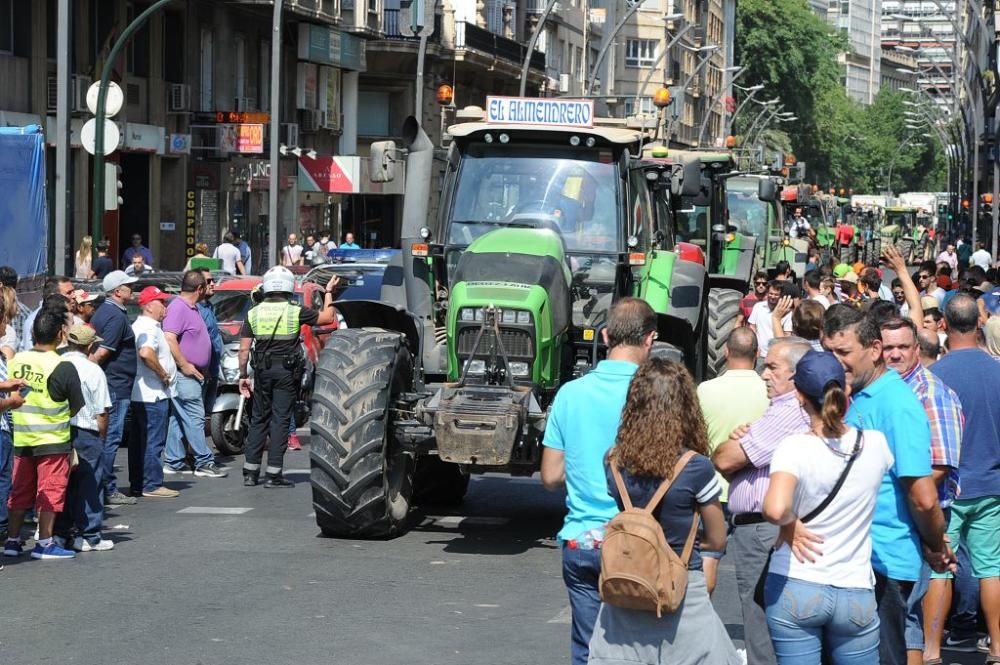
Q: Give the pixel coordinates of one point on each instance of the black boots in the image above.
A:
(277, 481)
(251, 478)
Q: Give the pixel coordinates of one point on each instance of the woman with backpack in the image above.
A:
(826, 480)
(660, 448)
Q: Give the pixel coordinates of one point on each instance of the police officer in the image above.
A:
(273, 329)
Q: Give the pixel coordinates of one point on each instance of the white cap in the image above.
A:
(117, 278)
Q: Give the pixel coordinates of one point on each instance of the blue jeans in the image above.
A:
(151, 427)
(112, 440)
(84, 507)
(914, 633)
(807, 620)
(893, 598)
(6, 468)
(581, 570)
(187, 421)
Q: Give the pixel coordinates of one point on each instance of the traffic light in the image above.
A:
(112, 186)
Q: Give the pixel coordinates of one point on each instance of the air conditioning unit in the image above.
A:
(312, 120)
(290, 134)
(244, 104)
(77, 93)
(179, 98)
(695, 86)
(564, 83)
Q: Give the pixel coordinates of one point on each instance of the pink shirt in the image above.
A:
(185, 321)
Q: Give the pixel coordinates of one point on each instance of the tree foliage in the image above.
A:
(794, 54)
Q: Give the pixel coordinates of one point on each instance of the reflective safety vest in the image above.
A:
(42, 423)
(274, 320)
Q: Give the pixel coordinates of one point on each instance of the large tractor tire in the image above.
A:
(362, 479)
(437, 483)
(723, 310)
(905, 247)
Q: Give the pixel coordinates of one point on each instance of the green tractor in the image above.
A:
(898, 230)
(492, 307)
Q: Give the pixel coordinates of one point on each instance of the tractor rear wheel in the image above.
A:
(362, 478)
(723, 310)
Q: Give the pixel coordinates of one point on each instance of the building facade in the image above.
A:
(860, 22)
(923, 30)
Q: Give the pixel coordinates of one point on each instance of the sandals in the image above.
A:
(992, 660)
(932, 661)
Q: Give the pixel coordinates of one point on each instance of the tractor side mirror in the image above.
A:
(767, 190)
(383, 156)
(687, 180)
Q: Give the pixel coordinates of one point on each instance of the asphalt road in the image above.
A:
(226, 574)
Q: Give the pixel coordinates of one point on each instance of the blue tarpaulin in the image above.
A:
(24, 213)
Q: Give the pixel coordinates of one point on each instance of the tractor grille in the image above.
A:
(517, 343)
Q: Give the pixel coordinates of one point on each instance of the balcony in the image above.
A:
(390, 26)
(472, 37)
(327, 11)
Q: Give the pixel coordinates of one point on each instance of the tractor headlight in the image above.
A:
(467, 314)
(476, 366)
(524, 318)
(508, 316)
(519, 369)
(480, 315)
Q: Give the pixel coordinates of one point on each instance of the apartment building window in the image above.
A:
(207, 71)
(241, 67)
(6, 26)
(173, 47)
(650, 6)
(640, 52)
(373, 113)
(137, 51)
(645, 106)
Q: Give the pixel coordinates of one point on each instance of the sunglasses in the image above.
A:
(760, 283)
(924, 276)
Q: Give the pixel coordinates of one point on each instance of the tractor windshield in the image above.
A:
(747, 213)
(692, 223)
(537, 185)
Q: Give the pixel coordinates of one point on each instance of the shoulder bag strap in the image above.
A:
(667, 482)
(622, 492)
(840, 481)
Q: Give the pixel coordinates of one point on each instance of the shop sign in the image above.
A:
(336, 175)
(179, 144)
(332, 98)
(190, 220)
(548, 112)
(250, 138)
(144, 138)
(325, 46)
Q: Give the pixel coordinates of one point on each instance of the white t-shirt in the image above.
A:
(229, 254)
(147, 387)
(845, 525)
(290, 255)
(94, 385)
(981, 258)
(938, 294)
(760, 316)
(821, 299)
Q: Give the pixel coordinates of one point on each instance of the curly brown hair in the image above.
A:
(660, 421)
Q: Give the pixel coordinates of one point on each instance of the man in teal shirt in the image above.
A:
(908, 517)
(581, 429)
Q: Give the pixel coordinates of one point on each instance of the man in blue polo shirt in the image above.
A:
(581, 429)
(908, 517)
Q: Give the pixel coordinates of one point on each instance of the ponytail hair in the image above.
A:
(833, 411)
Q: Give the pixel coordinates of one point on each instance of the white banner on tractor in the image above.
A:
(533, 111)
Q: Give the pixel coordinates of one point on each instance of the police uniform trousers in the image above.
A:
(274, 393)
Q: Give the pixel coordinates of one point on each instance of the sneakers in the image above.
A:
(12, 547)
(250, 478)
(119, 499)
(162, 493)
(81, 544)
(210, 471)
(961, 645)
(983, 645)
(51, 552)
(277, 481)
(293, 442)
(171, 471)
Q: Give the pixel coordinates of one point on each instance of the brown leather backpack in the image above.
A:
(639, 569)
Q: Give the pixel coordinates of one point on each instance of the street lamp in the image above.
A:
(734, 73)
(706, 52)
(751, 92)
(609, 39)
(656, 63)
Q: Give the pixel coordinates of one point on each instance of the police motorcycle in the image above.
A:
(230, 419)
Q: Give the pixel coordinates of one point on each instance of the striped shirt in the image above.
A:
(783, 418)
(944, 411)
(5, 416)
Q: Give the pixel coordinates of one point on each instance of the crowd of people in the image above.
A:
(847, 464)
(71, 372)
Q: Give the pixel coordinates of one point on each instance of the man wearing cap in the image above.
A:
(908, 526)
(745, 459)
(151, 396)
(86, 304)
(116, 354)
(78, 526)
(189, 341)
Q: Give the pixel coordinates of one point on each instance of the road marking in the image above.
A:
(565, 616)
(210, 510)
(514, 481)
(458, 520)
(312, 514)
(486, 605)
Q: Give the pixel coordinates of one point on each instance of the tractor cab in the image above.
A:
(900, 222)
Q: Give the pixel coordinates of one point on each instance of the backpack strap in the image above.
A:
(622, 492)
(689, 543)
(667, 482)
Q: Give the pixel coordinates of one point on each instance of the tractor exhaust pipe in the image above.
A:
(416, 200)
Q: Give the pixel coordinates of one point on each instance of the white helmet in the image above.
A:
(278, 279)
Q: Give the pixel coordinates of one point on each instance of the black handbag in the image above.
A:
(758, 591)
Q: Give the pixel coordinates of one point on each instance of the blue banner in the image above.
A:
(24, 215)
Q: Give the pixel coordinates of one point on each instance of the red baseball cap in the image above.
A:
(151, 293)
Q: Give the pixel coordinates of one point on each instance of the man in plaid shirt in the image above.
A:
(901, 351)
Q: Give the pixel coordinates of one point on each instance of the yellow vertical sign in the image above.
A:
(190, 217)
